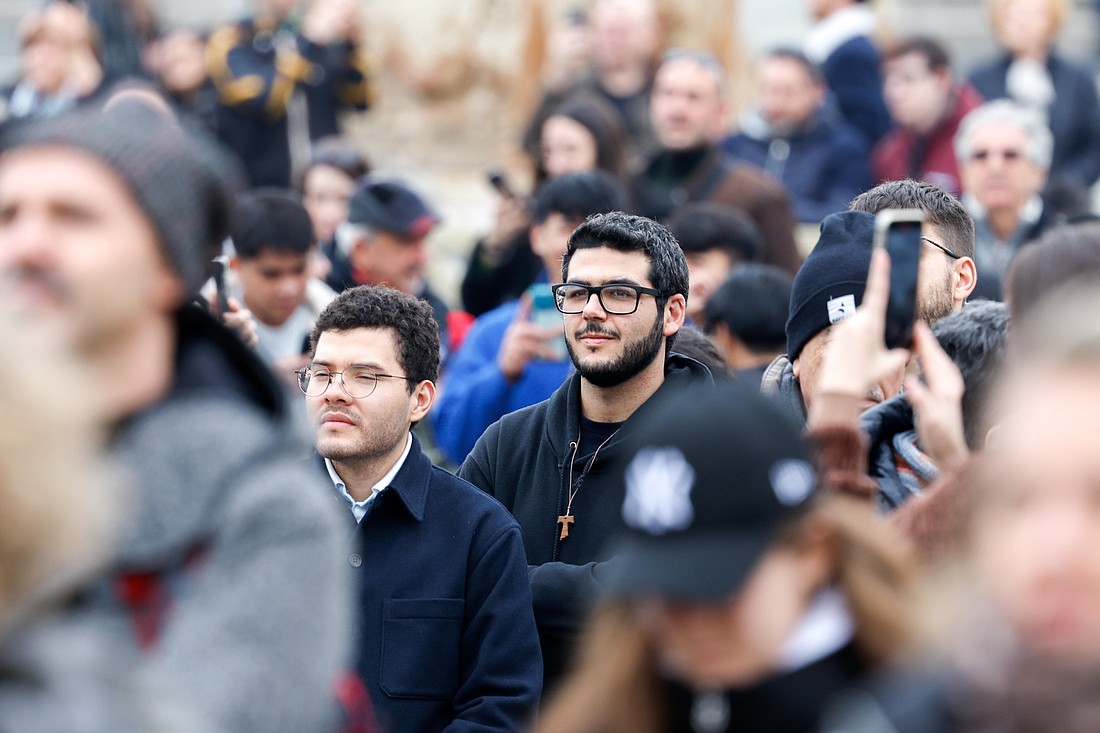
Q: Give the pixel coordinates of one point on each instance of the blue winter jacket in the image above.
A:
(475, 391)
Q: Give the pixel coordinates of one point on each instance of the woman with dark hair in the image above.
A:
(326, 185)
(581, 135)
(744, 596)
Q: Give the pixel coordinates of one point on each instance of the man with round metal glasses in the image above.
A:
(623, 302)
(447, 636)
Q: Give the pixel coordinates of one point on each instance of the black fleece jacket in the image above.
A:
(523, 460)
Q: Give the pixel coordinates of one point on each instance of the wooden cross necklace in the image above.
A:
(565, 520)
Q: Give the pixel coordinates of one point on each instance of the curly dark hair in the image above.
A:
(379, 306)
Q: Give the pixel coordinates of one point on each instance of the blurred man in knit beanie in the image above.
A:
(224, 588)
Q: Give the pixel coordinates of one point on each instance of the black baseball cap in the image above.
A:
(710, 476)
(391, 206)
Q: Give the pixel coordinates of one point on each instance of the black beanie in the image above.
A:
(173, 176)
(829, 285)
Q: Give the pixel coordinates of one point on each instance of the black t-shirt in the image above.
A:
(593, 435)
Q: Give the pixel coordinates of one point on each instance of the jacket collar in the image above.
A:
(411, 482)
(410, 485)
(780, 382)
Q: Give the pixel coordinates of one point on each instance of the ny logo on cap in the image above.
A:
(658, 491)
(841, 308)
(792, 481)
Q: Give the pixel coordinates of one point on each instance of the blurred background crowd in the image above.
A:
(458, 82)
(467, 155)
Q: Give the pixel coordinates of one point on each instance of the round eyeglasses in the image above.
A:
(620, 299)
(357, 382)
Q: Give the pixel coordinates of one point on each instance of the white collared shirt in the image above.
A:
(359, 508)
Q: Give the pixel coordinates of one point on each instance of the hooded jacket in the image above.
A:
(523, 460)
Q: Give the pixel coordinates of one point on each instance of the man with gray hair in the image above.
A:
(1004, 153)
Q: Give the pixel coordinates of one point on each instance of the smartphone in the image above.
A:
(500, 183)
(898, 231)
(221, 263)
(544, 312)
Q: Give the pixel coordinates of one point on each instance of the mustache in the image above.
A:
(327, 413)
(595, 328)
(37, 277)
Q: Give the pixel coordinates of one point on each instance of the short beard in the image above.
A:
(636, 356)
(940, 304)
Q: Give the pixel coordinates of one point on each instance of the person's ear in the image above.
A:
(360, 249)
(966, 279)
(991, 437)
(675, 313)
(796, 367)
(168, 291)
(535, 235)
(944, 79)
(821, 94)
(421, 401)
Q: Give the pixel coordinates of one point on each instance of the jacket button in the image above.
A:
(356, 560)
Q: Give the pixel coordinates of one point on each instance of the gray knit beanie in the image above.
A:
(176, 178)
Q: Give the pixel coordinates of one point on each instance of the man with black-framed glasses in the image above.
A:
(447, 636)
(623, 300)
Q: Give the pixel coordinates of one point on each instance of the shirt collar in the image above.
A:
(359, 508)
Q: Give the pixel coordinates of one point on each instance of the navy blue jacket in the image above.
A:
(448, 640)
(1074, 115)
(852, 73)
(823, 165)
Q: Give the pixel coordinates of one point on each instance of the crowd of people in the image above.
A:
(654, 469)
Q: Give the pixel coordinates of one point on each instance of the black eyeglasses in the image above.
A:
(940, 247)
(357, 382)
(620, 299)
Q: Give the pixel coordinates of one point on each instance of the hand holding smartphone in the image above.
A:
(898, 232)
(545, 313)
(220, 265)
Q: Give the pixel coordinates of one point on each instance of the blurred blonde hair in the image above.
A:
(57, 495)
(1058, 11)
(616, 688)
